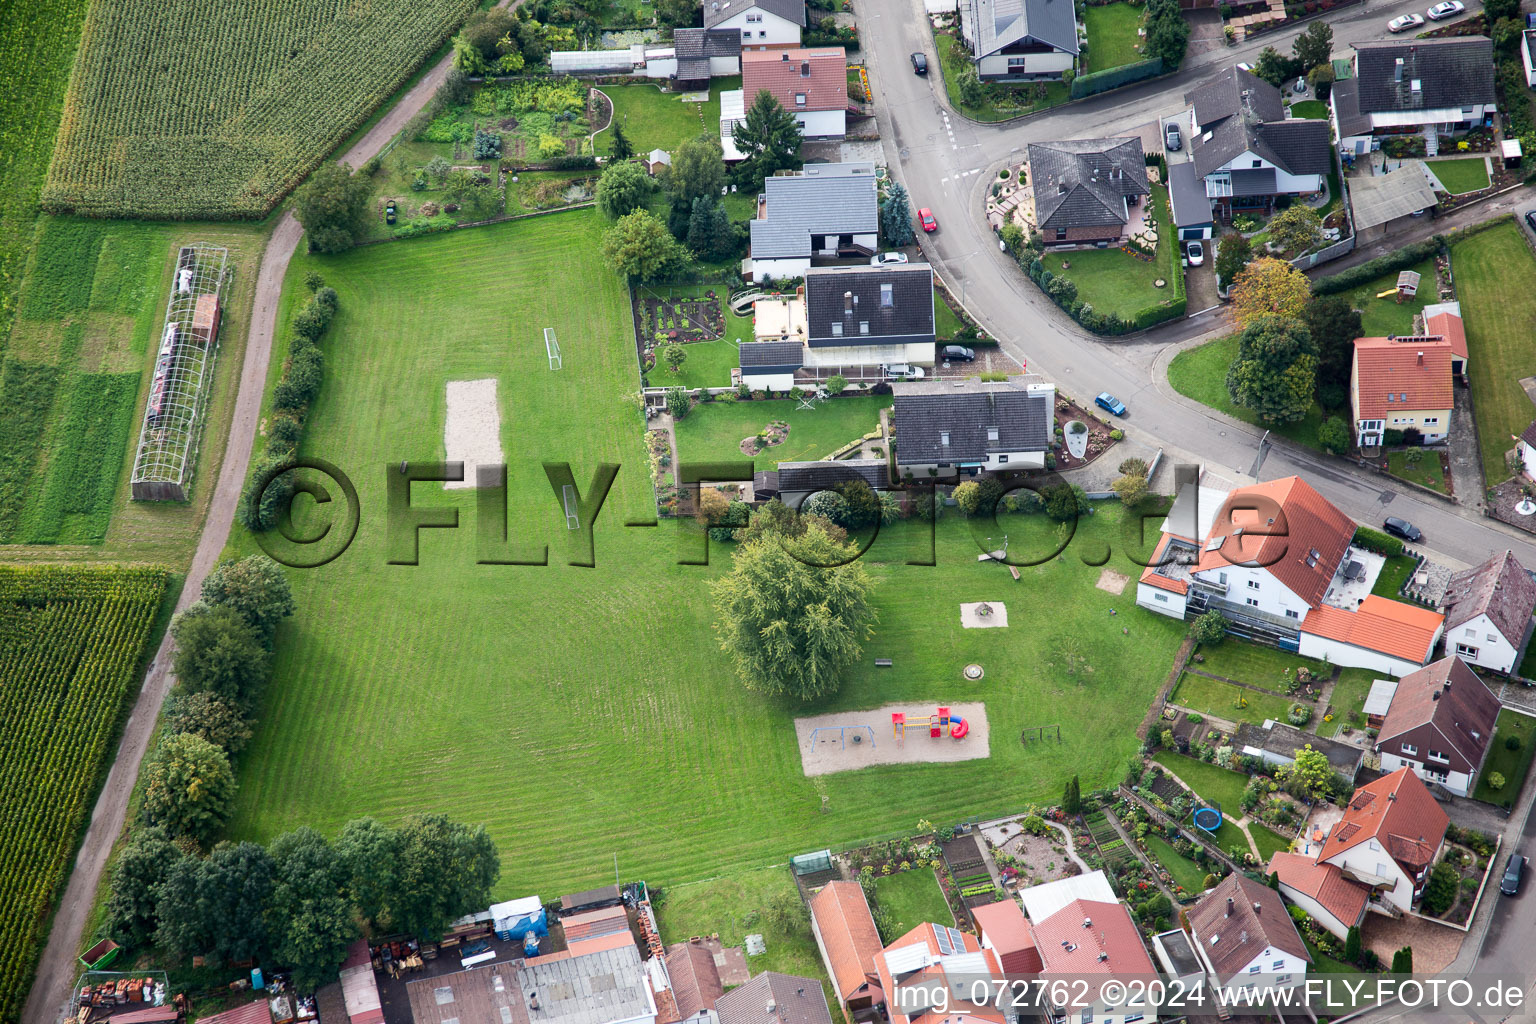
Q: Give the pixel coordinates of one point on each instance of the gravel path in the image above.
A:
(57, 968)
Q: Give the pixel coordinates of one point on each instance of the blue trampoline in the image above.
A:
(1207, 818)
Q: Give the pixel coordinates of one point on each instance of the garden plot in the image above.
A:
(846, 740)
(472, 429)
(529, 121)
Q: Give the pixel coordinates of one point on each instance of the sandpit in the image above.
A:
(984, 615)
(833, 751)
(1113, 582)
(472, 429)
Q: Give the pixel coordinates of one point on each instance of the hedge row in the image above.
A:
(1402, 259)
(1113, 78)
(1380, 543)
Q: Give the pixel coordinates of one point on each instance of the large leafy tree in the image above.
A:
(218, 651)
(214, 718)
(137, 874)
(310, 919)
(1275, 369)
(698, 170)
(1268, 285)
(235, 887)
(254, 586)
(709, 228)
(622, 188)
(188, 787)
(370, 854)
(1314, 46)
(1335, 324)
(678, 13)
(332, 206)
(185, 926)
(792, 627)
(769, 138)
(1167, 33)
(640, 246)
(443, 871)
(1296, 228)
(1232, 254)
(896, 216)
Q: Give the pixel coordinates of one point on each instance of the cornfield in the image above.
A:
(71, 640)
(199, 109)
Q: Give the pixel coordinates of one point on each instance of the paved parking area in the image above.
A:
(1434, 945)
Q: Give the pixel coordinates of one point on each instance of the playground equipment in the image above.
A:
(842, 734)
(1407, 286)
(1207, 818)
(941, 724)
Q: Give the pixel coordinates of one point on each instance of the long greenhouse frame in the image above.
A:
(188, 347)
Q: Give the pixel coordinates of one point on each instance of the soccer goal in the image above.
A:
(572, 520)
(552, 348)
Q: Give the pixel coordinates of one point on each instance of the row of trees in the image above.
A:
(299, 902)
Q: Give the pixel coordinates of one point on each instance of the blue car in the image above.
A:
(1110, 403)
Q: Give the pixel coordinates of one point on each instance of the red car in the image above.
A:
(925, 217)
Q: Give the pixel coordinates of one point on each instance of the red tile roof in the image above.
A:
(848, 934)
(695, 978)
(1244, 918)
(932, 978)
(1417, 367)
(1453, 703)
(1005, 928)
(820, 75)
(1089, 937)
(1449, 327)
(600, 943)
(1325, 883)
(250, 1013)
(1391, 627)
(1396, 810)
(1279, 524)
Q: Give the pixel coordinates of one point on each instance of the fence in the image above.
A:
(1200, 840)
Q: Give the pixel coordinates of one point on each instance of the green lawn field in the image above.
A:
(1117, 282)
(1214, 697)
(1112, 35)
(1313, 109)
(911, 898)
(1465, 174)
(1493, 275)
(1381, 317)
(1201, 373)
(653, 119)
(714, 432)
(1218, 785)
(1256, 665)
(579, 712)
(1185, 872)
(1268, 841)
(1512, 764)
(1397, 569)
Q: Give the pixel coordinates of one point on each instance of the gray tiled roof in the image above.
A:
(1453, 72)
(695, 46)
(1346, 105)
(821, 476)
(1084, 182)
(1297, 146)
(763, 356)
(795, 1000)
(1223, 96)
(1499, 588)
(838, 300)
(829, 199)
(716, 11)
(923, 413)
(1191, 206)
(1284, 740)
(995, 24)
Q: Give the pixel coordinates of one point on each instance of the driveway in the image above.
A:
(1466, 463)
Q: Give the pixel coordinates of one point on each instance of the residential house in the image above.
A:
(862, 317)
(1388, 838)
(799, 480)
(1329, 898)
(1401, 383)
(1096, 939)
(825, 210)
(762, 23)
(1192, 209)
(1431, 87)
(774, 998)
(1488, 612)
(1020, 40)
(810, 84)
(770, 365)
(1439, 725)
(848, 940)
(1278, 743)
(1247, 151)
(928, 977)
(944, 431)
(1087, 191)
(1280, 564)
(1444, 319)
(1525, 447)
(554, 989)
(695, 979)
(1384, 204)
(1003, 928)
(1246, 939)
(702, 54)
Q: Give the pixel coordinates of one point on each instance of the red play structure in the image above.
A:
(940, 724)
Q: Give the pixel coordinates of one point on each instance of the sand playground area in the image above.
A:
(845, 740)
(472, 428)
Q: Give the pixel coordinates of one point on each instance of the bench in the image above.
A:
(882, 663)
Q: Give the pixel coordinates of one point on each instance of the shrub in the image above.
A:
(1194, 718)
(1378, 542)
(1299, 714)
(1209, 629)
(1495, 781)
(1440, 890)
(1512, 743)
(1333, 435)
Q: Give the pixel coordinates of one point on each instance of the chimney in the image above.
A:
(533, 999)
(1230, 905)
(1258, 908)
(847, 303)
(805, 69)
(1421, 358)
(771, 1008)
(1447, 684)
(786, 61)
(1435, 695)
(1087, 922)
(1102, 957)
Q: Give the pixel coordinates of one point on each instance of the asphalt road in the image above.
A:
(947, 164)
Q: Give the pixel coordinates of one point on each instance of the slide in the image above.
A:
(958, 727)
(1389, 291)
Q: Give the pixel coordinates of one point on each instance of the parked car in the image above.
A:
(1402, 528)
(885, 259)
(919, 64)
(1514, 868)
(1530, 218)
(1172, 141)
(925, 218)
(1405, 23)
(1196, 253)
(389, 212)
(904, 371)
(1447, 9)
(1108, 402)
(957, 353)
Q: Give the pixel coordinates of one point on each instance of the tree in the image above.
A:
(678, 402)
(1132, 489)
(622, 188)
(1273, 881)
(1275, 369)
(1501, 9)
(369, 853)
(1268, 285)
(678, 13)
(640, 246)
(255, 587)
(712, 505)
(183, 925)
(1298, 227)
(769, 137)
(445, 870)
(1275, 67)
(793, 628)
(1334, 324)
(861, 504)
(1321, 80)
(968, 497)
(896, 216)
(829, 505)
(837, 384)
(673, 355)
(1496, 781)
(619, 146)
(698, 169)
(1072, 796)
(1440, 890)
(477, 46)
(1352, 945)
(1167, 33)
(137, 874)
(214, 718)
(1064, 501)
(968, 86)
(1314, 47)
(1209, 629)
(311, 923)
(1333, 435)
(1232, 254)
(709, 228)
(188, 787)
(1311, 770)
(332, 205)
(235, 889)
(1402, 961)
(218, 651)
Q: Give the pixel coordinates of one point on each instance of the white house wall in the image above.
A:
(1339, 929)
(1439, 115)
(1285, 181)
(1459, 783)
(770, 31)
(1527, 459)
(1164, 602)
(833, 356)
(1271, 595)
(1372, 858)
(1291, 972)
(722, 67)
(1349, 656)
(779, 270)
(1493, 650)
(768, 381)
(996, 65)
(822, 124)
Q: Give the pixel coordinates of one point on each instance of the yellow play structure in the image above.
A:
(1407, 286)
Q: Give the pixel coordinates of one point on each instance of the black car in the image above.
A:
(919, 64)
(1402, 528)
(1513, 869)
(1530, 218)
(957, 353)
